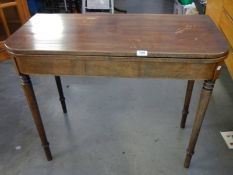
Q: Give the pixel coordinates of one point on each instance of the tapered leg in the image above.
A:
(31, 99)
(188, 96)
(61, 95)
(202, 106)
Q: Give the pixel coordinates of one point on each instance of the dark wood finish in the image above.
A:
(116, 66)
(120, 35)
(61, 94)
(202, 107)
(31, 99)
(106, 45)
(188, 96)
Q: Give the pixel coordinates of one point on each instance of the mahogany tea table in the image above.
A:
(120, 45)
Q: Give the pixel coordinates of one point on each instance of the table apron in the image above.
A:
(115, 67)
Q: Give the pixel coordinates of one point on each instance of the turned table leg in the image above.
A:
(188, 96)
(61, 94)
(31, 99)
(202, 106)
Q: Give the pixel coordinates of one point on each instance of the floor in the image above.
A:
(114, 126)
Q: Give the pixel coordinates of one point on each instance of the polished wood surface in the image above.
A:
(117, 66)
(119, 35)
(106, 45)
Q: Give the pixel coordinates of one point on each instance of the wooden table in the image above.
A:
(142, 46)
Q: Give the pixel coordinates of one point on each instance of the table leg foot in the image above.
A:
(188, 159)
(32, 103)
(188, 96)
(47, 152)
(202, 106)
(61, 94)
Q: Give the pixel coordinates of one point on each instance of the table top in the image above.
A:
(170, 36)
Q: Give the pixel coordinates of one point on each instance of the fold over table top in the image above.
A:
(170, 36)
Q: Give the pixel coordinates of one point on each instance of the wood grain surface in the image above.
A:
(169, 36)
